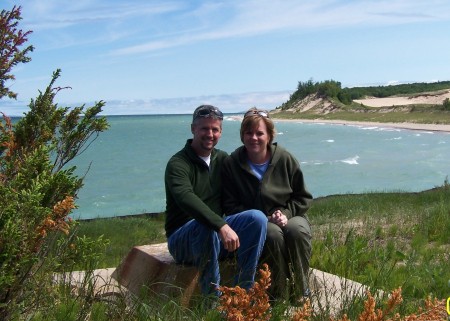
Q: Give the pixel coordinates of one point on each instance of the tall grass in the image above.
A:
(123, 234)
(386, 240)
(382, 240)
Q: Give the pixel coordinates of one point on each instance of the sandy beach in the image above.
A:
(412, 126)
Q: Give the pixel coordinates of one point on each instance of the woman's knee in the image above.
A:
(275, 234)
(298, 229)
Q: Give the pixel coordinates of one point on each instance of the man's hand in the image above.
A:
(278, 218)
(229, 238)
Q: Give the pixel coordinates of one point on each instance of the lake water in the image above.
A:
(126, 163)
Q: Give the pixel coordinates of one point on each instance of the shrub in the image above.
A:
(37, 188)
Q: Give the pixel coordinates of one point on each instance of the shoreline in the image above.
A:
(410, 126)
(159, 215)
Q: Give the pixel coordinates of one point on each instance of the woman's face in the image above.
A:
(256, 139)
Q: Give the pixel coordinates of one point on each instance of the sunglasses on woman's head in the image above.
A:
(262, 113)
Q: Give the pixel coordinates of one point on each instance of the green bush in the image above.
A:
(37, 188)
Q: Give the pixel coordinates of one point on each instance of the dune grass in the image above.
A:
(386, 241)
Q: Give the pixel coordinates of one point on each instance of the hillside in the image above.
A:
(314, 103)
(412, 103)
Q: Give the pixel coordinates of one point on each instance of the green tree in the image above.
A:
(328, 88)
(38, 188)
(304, 89)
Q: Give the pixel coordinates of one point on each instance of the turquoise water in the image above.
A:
(125, 165)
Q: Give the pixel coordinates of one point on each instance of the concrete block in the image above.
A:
(150, 269)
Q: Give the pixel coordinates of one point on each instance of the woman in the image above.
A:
(263, 175)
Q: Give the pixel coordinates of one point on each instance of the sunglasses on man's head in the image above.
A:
(262, 113)
(208, 111)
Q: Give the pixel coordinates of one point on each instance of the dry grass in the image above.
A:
(237, 304)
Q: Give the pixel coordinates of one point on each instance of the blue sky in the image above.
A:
(163, 56)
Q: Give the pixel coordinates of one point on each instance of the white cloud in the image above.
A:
(248, 18)
(393, 83)
(184, 105)
(155, 25)
(231, 103)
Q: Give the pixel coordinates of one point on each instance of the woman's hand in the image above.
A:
(278, 218)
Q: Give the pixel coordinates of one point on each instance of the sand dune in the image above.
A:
(432, 99)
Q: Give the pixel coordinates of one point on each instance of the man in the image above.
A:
(197, 232)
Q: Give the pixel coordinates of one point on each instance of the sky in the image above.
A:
(164, 56)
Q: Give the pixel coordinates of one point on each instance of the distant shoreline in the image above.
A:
(237, 116)
(411, 126)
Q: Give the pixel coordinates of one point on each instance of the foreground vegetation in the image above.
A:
(37, 185)
(383, 240)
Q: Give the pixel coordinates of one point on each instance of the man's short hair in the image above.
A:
(207, 111)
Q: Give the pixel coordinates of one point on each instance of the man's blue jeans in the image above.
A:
(196, 244)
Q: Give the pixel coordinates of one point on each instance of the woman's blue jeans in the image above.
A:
(198, 245)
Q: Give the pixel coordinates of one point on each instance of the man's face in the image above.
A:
(207, 132)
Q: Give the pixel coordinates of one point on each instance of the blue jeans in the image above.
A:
(194, 243)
